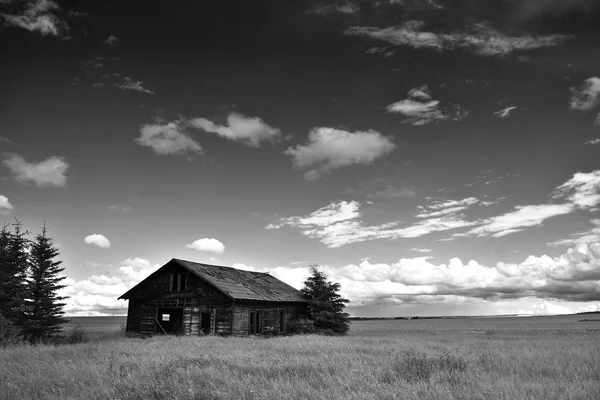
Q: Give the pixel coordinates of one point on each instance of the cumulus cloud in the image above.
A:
(37, 16)
(339, 224)
(571, 277)
(587, 97)
(593, 141)
(330, 148)
(244, 267)
(97, 240)
(421, 109)
(505, 112)
(480, 38)
(251, 131)
(50, 172)
(98, 294)
(209, 245)
(168, 139)
(5, 206)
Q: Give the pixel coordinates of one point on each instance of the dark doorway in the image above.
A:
(170, 320)
(205, 323)
(255, 326)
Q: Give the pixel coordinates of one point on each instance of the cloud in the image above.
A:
(168, 139)
(209, 245)
(391, 192)
(97, 295)
(519, 219)
(100, 72)
(582, 190)
(97, 240)
(422, 110)
(328, 9)
(123, 209)
(243, 267)
(240, 128)
(5, 206)
(587, 97)
(480, 38)
(589, 236)
(505, 112)
(339, 224)
(571, 277)
(136, 262)
(330, 148)
(593, 141)
(442, 207)
(50, 172)
(419, 250)
(131, 85)
(37, 16)
(112, 40)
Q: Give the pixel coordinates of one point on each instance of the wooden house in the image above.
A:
(189, 298)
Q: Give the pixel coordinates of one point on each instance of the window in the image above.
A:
(178, 282)
(255, 326)
(182, 282)
(165, 317)
(282, 321)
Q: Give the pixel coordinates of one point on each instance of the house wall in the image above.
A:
(270, 313)
(196, 300)
(142, 316)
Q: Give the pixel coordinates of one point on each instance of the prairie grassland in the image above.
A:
(501, 358)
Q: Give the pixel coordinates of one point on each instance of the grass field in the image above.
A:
(473, 358)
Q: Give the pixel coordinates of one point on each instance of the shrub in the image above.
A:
(76, 335)
(301, 326)
(271, 332)
(8, 333)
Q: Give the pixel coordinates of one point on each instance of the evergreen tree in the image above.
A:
(326, 306)
(44, 306)
(14, 263)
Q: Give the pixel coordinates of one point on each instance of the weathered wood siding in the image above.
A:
(140, 318)
(159, 286)
(270, 316)
(197, 300)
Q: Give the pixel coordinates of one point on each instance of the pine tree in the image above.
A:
(326, 306)
(44, 306)
(14, 264)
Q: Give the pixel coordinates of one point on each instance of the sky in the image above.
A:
(433, 157)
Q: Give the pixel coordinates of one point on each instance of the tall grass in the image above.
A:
(413, 361)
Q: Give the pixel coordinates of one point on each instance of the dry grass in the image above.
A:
(512, 359)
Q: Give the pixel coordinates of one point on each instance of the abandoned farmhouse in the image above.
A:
(189, 298)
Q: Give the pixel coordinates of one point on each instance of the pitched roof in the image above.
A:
(241, 285)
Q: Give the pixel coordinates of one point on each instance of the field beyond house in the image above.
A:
(472, 358)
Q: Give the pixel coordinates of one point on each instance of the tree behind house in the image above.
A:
(44, 306)
(326, 306)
